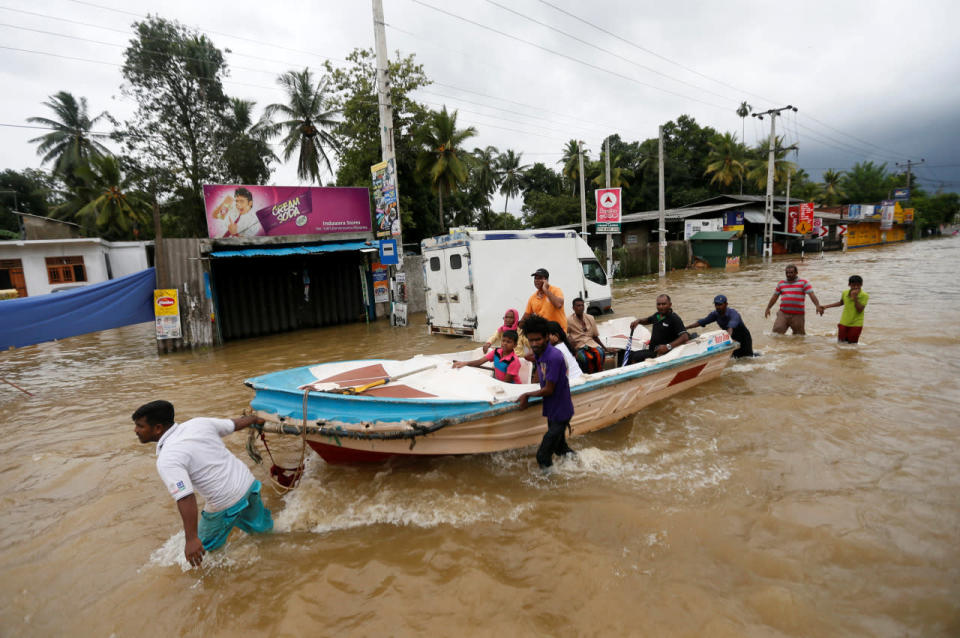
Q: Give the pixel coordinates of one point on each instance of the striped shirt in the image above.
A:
(793, 295)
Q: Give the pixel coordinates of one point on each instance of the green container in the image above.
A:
(715, 246)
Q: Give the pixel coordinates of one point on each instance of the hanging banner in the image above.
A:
(868, 210)
(886, 215)
(608, 210)
(166, 312)
(385, 202)
(908, 215)
(853, 211)
(800, 219)
(252, 211)
(381, 285)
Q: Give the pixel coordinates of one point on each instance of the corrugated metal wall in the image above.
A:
(263, 295)
(182, 268)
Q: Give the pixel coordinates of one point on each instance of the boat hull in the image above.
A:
(597, 404)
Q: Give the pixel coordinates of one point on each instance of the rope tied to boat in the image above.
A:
(283, 479)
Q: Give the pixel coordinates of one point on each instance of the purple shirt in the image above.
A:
(551, 366)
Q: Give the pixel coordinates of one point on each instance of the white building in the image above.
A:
(37, 267)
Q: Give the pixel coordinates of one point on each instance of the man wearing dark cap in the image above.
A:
(730, 320)
(547, 301)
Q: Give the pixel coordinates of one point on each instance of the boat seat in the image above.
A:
(526, 371)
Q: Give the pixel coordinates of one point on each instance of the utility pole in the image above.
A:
(583, 195)
(909, 164)
(663, 207)
(771, 160)
(387, 149)
(610, 235)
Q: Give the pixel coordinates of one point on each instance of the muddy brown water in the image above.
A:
(814, 491)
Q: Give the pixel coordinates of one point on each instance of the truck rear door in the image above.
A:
(450, 299)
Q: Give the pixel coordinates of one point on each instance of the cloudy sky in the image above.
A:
(873, 80)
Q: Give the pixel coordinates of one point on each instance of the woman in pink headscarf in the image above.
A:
(510, 320)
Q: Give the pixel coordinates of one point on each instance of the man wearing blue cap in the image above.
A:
(729, 319)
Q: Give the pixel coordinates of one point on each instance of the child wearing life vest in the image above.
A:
(506, 363)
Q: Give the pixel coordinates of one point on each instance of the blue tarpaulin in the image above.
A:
(111, 304)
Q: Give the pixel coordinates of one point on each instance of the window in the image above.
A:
(455, 262)
(64, 270)
(593, 272)
(434, 264)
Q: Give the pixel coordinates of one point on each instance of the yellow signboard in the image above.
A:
(165, 302)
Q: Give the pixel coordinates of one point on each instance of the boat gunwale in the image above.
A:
(494, 406)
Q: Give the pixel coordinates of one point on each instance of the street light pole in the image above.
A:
(583, 195)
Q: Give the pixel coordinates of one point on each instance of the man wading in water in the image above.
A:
(554, 388)
(192, 457)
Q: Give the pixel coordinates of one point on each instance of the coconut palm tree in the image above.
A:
(757, 166)
(439, 161)
(618, 175)
(571, 164)
(743, 111)
(105, 202)
(830, 192)
(247, 154)
(725, 160)
(307, 116)
(487, 172)
(71, 142)
(511, 173)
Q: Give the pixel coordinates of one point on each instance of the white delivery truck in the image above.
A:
(471, 277)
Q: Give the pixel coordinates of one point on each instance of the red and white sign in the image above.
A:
(800, 219)
(819, 229)
(608, 205)
(841, 230)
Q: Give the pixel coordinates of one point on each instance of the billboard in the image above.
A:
(733, 220)
(608, 210)
(901, 194)
(800, 219)
(254, 211)
(853, 211)
(693, 226)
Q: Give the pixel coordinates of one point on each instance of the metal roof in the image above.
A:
(756, 217)
(295, 250)
(714, 234)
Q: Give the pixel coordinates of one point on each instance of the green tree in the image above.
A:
(175, 76)
(757, 166)
(247, 154)
(570, 161)
(802, 188)
(307, 120)
(511, 173)
(440, 163)
(725, 161)
(865, 182)
(831, 193)
(742, 112)
(486, 168)
(541, 210)
(72, 141)
(29, 191)
(107, 203)
(357, 133)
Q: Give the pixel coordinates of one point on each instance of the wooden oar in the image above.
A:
(335, 388)
(17, 387)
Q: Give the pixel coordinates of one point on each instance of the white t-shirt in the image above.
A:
(573, 368)
(192, 457)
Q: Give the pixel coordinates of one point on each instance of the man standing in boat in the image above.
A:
(554, 388)
(547, 301)
(191, 457)
(667, 333)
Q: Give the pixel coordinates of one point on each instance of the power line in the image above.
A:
(607, 51)
(563, 55)
(651, 52)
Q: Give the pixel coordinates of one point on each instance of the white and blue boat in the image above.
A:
(373, 409)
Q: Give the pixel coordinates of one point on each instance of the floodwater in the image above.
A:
(814, 491)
